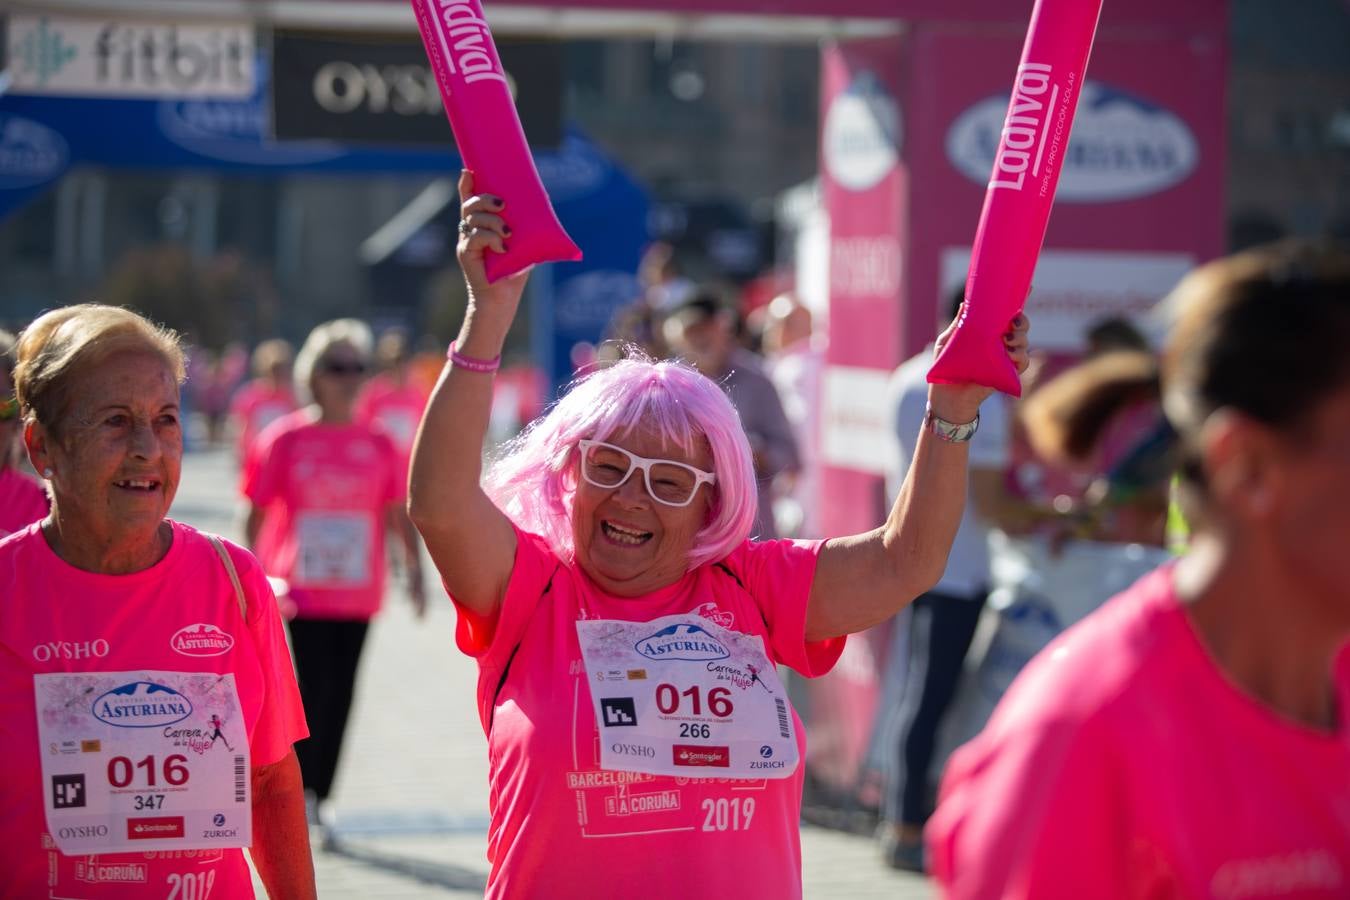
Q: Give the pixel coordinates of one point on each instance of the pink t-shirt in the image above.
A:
(1124, 763)
(561, 826)
(325, 491)
(22, 501)
(257, 405)
(56, 618)
(394, 409)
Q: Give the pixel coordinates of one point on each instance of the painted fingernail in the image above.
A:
(506, 230)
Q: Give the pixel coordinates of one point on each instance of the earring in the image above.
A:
(47, 473)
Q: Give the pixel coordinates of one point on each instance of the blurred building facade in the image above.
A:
(716, 129)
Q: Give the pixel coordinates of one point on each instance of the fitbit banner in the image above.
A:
(379, 89)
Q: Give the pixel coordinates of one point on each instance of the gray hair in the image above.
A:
(352, 332)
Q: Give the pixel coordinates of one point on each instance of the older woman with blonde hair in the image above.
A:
(323, 490)
(626, 629)
(126, 638)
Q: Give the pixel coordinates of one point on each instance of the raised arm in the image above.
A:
(866, 578)
(469, 539)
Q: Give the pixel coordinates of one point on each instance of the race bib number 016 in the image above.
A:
(140, 761)
(682, 696)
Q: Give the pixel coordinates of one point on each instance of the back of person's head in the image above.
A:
(271, 355)
(533, 480)
(352, 332)
(1263, 333)
(1066, 417)
(392, 349)
(70, 339)
(1114, 333)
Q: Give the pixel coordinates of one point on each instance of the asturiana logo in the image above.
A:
(142, 704)
(1122, 147)
(201, 639)
(684, 642)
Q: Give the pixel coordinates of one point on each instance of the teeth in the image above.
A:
(140, 485)
(625, 535)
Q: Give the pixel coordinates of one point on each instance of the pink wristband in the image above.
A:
(471, 363)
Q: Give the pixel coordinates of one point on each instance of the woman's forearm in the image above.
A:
(280, 833)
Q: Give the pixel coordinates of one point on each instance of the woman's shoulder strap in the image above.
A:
(224, 555)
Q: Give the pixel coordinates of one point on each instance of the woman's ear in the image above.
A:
(1242, 461)
(36, 441)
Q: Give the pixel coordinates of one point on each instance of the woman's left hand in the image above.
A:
(960, 403)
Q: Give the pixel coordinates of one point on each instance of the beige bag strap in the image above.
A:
(234, 575)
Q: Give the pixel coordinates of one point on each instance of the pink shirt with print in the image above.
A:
(561, 826)
(325, 492)
(1123, 762)
(22, 501)
(394, 409)
(56, 618)
(257, 405)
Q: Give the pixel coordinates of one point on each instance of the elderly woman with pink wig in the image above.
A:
(626, 629)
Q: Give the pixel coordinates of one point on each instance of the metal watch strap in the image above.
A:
(951, 432)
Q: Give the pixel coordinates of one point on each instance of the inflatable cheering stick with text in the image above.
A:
(487, 130)
(1021, 190)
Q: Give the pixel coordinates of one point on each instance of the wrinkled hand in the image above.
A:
(960, 403)
(487, 232)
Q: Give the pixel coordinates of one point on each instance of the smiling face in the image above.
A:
(627, 542)
(117, 453)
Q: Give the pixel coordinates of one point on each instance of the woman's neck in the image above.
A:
(1258, 628)
(106, 554)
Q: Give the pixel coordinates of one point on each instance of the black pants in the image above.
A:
(327, 652)
(941, 630)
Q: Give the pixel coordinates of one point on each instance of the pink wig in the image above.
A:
(534, 479)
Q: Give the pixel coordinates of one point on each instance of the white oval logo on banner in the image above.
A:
(30, 152)
(1122, 147)
(861, 144)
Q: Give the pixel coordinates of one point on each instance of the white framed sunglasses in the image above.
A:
(668, 482)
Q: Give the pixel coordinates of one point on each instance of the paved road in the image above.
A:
(411, 796)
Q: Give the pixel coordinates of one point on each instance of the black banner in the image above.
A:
(380, 89)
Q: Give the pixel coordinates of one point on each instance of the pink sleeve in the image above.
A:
(492, 640)
(260, 480)
(1035, 810)
(281, 721)
(778, 574)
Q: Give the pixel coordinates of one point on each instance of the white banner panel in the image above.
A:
(855, 431)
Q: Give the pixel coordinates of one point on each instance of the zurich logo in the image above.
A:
(218, 820)
(1122, 147)
(142, 704)
(766, 751)
(683, 642)
(30, 152)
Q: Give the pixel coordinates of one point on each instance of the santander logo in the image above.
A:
(1122, 147)
(201, 639)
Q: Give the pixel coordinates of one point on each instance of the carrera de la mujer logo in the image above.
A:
(142, 704)
(684, 642)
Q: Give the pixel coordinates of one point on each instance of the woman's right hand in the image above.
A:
(491, 305)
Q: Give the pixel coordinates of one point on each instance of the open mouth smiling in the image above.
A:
(140, 485)
(624, 536)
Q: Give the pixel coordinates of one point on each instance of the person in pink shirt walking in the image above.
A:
(1191, 738)
(126, 639)
(640, 740)
(323, 491)
(266, 398)
(392, 401)
(22, 500)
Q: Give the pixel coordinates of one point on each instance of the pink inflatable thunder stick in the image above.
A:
(1020, 194)
(487, 130)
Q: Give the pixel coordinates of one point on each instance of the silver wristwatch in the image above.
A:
(951, 432)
